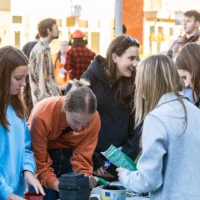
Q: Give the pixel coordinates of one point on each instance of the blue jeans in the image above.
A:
(61, 165)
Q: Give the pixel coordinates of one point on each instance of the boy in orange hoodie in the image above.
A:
(64, 133)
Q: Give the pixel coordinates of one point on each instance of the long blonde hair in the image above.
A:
(155, 77)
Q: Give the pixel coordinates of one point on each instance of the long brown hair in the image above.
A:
(189, 59)
(125, 89)
(10, 59)
(156, 76)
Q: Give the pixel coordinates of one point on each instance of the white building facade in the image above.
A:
(19, 19)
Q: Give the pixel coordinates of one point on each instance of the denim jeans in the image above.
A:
(61, 165)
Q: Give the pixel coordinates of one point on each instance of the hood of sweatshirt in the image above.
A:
(97, 68)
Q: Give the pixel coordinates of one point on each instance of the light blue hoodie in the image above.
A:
(169, 167)
(15, 156)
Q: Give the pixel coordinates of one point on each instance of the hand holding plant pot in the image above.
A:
(31, 180)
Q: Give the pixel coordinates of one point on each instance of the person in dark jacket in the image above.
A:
(29, 46)
(112, 81)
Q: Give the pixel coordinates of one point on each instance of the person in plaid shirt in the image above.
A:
(79, 56)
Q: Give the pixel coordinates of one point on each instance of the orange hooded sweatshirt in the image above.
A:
(47, 121)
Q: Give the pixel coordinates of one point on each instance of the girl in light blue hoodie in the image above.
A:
(169, 167)
(17, 165)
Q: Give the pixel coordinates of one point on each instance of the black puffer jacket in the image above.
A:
(117, 125)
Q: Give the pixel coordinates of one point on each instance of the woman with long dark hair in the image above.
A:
(112, 81)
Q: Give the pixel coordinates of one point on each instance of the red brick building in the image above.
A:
(133, 18)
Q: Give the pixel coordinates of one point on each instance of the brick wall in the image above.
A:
(133, 18)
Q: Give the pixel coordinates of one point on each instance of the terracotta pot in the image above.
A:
(33, 196)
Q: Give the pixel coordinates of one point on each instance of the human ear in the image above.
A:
(197, 24)
(48, 31)
(114, 57)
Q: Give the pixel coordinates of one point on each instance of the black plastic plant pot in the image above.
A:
(74, 186)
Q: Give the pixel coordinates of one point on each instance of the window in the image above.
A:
(171, 31)
(83, 23)
(95, 38)
(17, 39)
(160, 29)
(17, 19)
(59, 22)
(152, 29)
(5, 5)
(70, 21)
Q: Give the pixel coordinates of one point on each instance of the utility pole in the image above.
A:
(118, 17)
